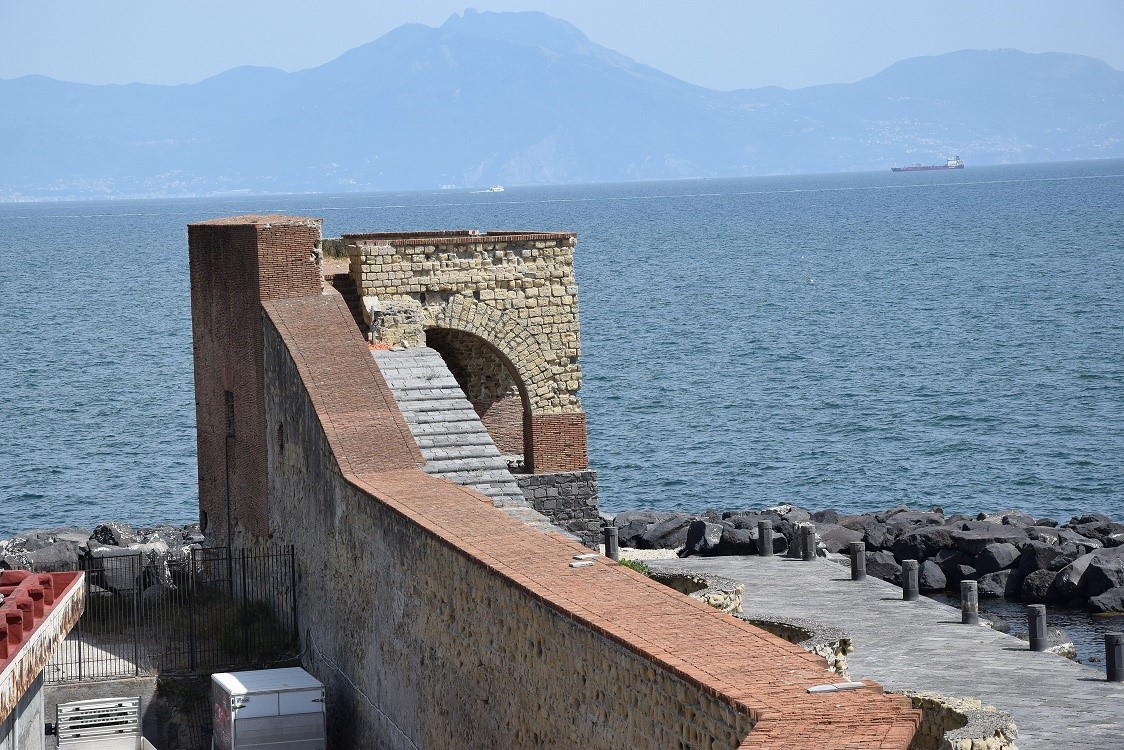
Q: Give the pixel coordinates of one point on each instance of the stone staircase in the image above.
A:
(453, 440)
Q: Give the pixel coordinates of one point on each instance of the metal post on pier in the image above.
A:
(808, 542)
(910, 591)
(969, 603)
(765, 538)
(1036, 626)
(858, 561)
(1114, 656)
(612, 550)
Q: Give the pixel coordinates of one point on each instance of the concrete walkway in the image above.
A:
(1056, 703)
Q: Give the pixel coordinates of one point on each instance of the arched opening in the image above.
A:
(492, 386)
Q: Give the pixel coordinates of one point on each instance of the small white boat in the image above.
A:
(495, 189)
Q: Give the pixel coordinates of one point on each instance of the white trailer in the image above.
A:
(274, 709)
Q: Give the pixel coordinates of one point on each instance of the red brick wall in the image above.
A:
(558, 443)
(504, 420)
(235, 264)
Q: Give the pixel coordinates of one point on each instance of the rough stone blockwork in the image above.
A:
(437, 621)
(568, 499)
(502, 308)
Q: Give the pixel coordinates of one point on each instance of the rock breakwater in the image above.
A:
(1011, 555)
(71, 548)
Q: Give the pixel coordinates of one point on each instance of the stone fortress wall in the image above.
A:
(435, 619)
(502, 308)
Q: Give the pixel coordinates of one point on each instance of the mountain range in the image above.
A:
(524, 98)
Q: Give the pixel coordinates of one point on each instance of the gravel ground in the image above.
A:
(630, 553)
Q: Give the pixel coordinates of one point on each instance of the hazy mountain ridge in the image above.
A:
(517, 98)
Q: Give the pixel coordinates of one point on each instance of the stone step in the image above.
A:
(426, 429)
(437, 416)
(430, 398)
(491, 469)
(445, 386)
(423, 401)
(464, 451)
(454, 442)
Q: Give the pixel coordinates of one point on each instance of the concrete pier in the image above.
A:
(923, 646)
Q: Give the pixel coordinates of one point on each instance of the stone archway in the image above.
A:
(490, 383)
(510, 340)
(513, 290)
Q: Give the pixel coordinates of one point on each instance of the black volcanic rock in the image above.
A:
(904, 522)
(702, 538)
(631, 524)
(922, 543)
(1105, 571)
(1004, 583)
(883, 565)
(115, 534)
(1037, 587)
(836, 538)
(995, 557)
(1108, 601)
(1036, 556)
(975, 538)
(669, 533)
(738, 542)
(930, 577)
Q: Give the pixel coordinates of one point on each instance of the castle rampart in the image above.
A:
(439, 621)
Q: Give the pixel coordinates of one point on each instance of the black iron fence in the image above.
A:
(211, 610)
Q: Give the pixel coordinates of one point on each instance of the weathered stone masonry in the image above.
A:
(438, 621)
(512, 294)
(569, 500)
(502, 309)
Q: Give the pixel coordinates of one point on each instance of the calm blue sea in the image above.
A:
(848, 341)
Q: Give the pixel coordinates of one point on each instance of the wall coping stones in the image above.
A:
(454, 237)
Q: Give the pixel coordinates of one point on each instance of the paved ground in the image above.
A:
(106, 659)
(1056, 703)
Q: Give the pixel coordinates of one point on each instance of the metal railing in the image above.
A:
(211, 610)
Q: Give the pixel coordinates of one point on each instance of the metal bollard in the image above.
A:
(910, 590)
(1036, 626)
(612, 551)
(858, 561)
(808, 542)
(969, 603)
(765, 538)
(1114, 656)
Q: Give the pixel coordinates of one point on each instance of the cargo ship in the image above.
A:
(954, 162)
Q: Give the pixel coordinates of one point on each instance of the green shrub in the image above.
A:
(638, 566)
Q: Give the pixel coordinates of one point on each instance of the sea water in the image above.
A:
(852, 341)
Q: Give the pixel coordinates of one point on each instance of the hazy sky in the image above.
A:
(722, 44)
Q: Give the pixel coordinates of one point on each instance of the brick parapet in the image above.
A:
(456, 237)
(447, 580)
(236, 263)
